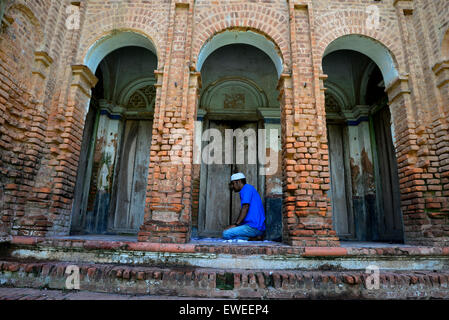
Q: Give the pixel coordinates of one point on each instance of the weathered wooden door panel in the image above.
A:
(125, 175)
(132, 177)
(340, 198)
(140, 179)
(390, 217)
(218, 196)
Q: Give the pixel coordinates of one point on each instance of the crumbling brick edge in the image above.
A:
(250, 249)
(239, 284)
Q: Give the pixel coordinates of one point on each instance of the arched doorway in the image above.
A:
(112, 177)
(239, 111)
(365, 191)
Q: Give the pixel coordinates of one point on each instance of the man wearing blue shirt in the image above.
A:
(250, 224)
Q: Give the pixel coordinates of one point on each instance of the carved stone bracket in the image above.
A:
(441, 71)
(83, 79)
(405, 5)
(41, 70)
(42, 62)
(399, 87)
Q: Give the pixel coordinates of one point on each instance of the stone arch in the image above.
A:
(337, 24)
(244, 17)
(113, 41)
(149, 23)
(338, 94)
(370, 47)
(241, 37)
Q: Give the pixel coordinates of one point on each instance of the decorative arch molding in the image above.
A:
(370, 47)
(249, 89)
(138, 100)
(241, 37)
(338, 94)
(23, 8)
(113, 41)
(143, 88)
(365, 80)
(149, 22)
(244, 17)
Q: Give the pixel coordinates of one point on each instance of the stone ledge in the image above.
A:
(204, 282)
(229, 256)
(241, 249)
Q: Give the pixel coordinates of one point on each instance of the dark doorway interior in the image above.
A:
(364, 176)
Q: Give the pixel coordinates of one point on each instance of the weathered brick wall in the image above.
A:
(24, 68)
(424, 177)
(44, 94)
(243, 284)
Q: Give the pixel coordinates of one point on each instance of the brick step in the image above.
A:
(232, 283)
(229, 256)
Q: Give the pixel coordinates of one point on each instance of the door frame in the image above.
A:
(204, 168)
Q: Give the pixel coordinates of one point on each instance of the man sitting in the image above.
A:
(250, 224)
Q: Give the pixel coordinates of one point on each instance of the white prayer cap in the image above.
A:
(237, 176)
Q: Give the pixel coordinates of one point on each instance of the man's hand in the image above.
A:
(243, 211)
(231, 226)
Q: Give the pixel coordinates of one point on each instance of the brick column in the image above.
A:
(33, 119)
(307, 216)
(65, 149)
(307, 212)
(169, 196)
(416, 130)
(421, 223)
(441, 132)
(11, 194)
(48, 202)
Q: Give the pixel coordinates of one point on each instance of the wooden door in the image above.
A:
(219, 206)
(216, 196)
(389, 218)
(249, 167)
(131, 182)
(340, 195)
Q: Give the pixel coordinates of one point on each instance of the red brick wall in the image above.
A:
(21, 119)
(43, 103)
